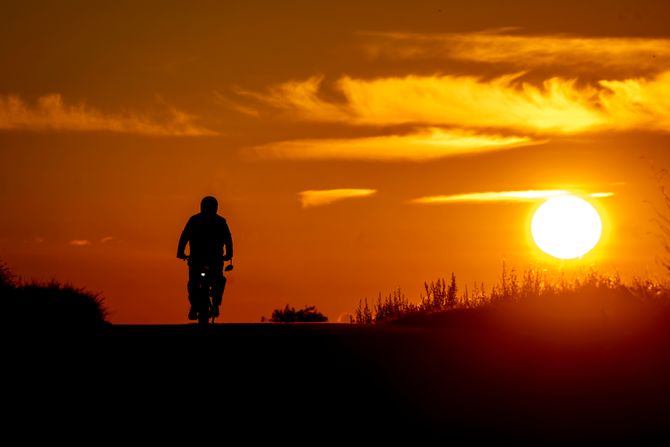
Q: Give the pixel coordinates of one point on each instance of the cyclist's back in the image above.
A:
(207, 234)
(210, 242)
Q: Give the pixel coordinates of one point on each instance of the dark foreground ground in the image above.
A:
(498, 377)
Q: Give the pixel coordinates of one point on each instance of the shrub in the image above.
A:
(7, 280)
(48, 305)
(54, 304)
(308, 314)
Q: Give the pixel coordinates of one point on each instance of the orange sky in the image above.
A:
(331, 132)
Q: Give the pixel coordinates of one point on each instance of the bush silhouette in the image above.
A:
(49, 304)
(308, 314)
(6, 279)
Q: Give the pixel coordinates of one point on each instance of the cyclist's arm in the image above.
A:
(183, 240)
(228, 243)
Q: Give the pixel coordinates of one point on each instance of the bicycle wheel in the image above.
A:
(203, 310)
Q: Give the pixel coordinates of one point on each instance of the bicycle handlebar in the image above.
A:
(228, 268)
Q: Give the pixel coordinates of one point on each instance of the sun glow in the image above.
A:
(566, 227)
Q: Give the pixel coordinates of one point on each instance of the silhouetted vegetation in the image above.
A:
(7, 280)
(40, 305)
(308, 314)
(533, 285)
(662, 217)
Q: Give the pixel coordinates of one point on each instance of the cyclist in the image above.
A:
(210, 242)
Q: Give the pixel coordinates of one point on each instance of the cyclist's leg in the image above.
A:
(218, 287)
(191, 286)
(192, 278)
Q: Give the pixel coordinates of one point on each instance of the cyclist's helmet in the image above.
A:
(209, 205)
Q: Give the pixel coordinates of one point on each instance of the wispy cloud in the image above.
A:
(80, 242)
(600, 195)
(556, 106)
(229, 103)
(468, 113)
(526, 51)
(502, 196)
(423, 145)
(50, 112)
(321, 197)
(302, 99)
(637, 103)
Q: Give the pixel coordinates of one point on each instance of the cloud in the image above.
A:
(80, 242)
(638, 53)
(321, 197)
(600, 195)
(637, 103)
(558, 105)
(502, 196)
(50, 112)
(555, 106)
(462, 114)
(229, 103)
(301, 98)
(423, 145)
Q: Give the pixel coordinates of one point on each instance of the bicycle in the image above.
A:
(203, 289)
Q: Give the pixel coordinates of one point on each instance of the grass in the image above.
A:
(559, 290)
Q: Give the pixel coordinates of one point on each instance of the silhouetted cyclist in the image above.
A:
(207, 234)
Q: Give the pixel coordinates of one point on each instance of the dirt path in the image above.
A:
(469, 383)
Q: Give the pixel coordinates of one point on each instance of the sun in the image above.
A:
(566, 227)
